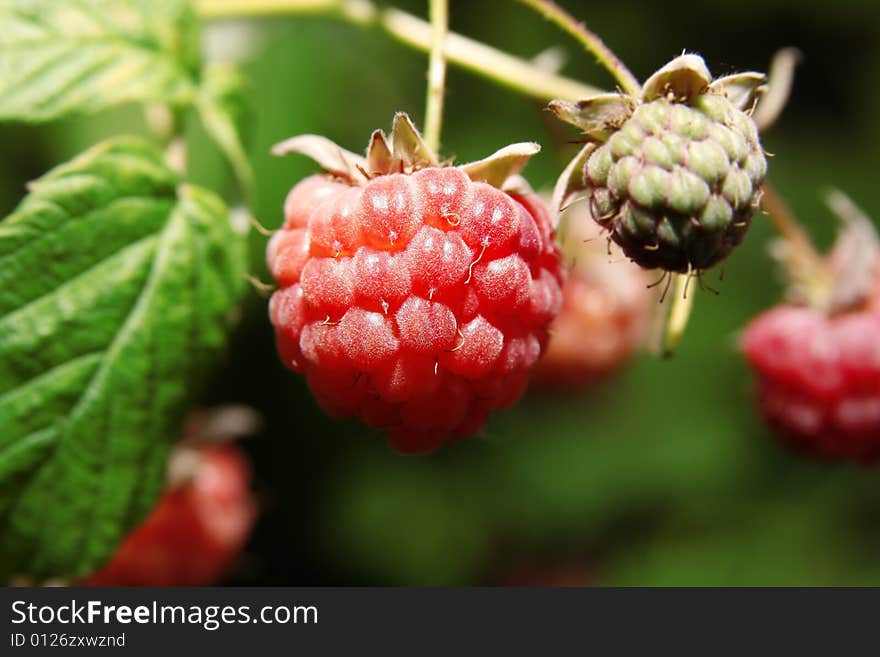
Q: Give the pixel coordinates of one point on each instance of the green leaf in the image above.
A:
(61, 57)
(117, 284)
(223, 109)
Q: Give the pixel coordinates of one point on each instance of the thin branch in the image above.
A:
(589, 40)
(513, 72)
(436, 74)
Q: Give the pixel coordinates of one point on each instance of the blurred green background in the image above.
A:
(662, 475)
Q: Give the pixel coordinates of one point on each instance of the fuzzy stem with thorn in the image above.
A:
(590, 41)
(436, 73)
(513, 72)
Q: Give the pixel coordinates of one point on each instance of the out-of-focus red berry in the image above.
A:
(606, 308)
(819, 377)
(195, 532)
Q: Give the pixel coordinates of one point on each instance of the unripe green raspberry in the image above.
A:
(673, 175)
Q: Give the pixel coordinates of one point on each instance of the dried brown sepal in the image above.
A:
(741, 89)
(683, 78)
(334, 159)
(404, 151)
(847, 276)
(571, 181)
(409, 151)
(855, 257)
(379, 158)
(597, 117)
(502, 165)
(780, 80)
(807, 280)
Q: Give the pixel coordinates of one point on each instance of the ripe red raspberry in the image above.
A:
(195, 532)
(413, 296)
(818, 361)
(606, 307)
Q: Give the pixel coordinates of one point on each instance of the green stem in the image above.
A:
(513, 72)
(682, 302)
(436, 74)
(590, 41)
(484, 60)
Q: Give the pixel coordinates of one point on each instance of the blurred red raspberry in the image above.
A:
(195, 532)
(819, 377)
(606, 307)
(817, 358)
